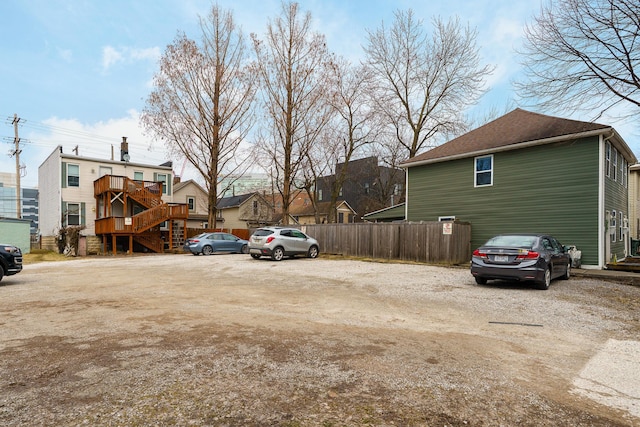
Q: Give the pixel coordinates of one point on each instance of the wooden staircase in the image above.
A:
(143, 227)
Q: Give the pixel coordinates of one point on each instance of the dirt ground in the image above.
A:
(226, 340)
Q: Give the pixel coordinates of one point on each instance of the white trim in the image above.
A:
(476, 172)
(406, 193)
(520, 145)
(601, 213)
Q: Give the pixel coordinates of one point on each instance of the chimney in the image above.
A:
(124, 150)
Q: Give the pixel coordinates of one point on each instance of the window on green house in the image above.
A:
(620, 226)
(483, 171)
(608, 165)
(615, 164)
(614, 216)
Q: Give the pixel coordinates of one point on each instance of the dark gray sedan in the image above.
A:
(538, 258)
(208, 243)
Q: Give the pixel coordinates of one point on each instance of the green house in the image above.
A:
(528, 172)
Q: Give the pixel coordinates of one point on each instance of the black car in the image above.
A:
(539, 258)
(10, 260)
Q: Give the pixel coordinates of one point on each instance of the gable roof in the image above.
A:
(512, 131)
(323, 208)
(233, 201)
(391, 212)
(180, 185)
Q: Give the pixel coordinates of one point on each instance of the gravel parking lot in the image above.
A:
(226, 340)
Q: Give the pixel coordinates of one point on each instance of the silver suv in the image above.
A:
(278, 242)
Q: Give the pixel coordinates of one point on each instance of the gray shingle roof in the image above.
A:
(518, 126)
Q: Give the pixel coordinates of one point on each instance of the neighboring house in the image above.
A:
(368, 186)
(118, 203)
(390, 214)
(306, 214)
(244, 212)
(634, 202)
(28, 201)
(528, 172)
(197, 200)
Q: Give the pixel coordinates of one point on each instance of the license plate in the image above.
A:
(501, 258)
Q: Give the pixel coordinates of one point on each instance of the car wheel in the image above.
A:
(255, 256)
(277, 254)
(546, 280)
(313, 252)
(481, 281)
(244, 249)
(567, 273)
(207, 250)
(1, 272)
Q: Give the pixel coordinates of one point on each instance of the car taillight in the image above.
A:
(270, 239)
(528, 255)
(479, 254)
(194, 241)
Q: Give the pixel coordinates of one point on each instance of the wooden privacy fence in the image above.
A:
(430, 242)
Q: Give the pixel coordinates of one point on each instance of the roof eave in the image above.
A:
(520, 145)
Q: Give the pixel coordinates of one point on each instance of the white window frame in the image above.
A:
(614, 219)
(447, 218)
(191, 203)
(476, 172)
(77, 213)
(165, 182)
(608, 159)
(615, 165)
(135, 173)
(69, 175)
(104, 170)
(621, 226)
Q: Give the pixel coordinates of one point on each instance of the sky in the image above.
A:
(77, 72)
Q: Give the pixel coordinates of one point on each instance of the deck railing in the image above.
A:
(142, 221)
(148, 193)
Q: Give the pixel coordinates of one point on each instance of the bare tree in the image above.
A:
(424, 82)
(291, 66)
(355, 121)
(201, 104)
(583, 55)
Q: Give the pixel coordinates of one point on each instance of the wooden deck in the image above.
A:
(143, 227)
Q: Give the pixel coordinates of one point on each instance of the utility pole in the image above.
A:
(16, 153)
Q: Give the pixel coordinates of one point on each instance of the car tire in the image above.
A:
(244, 249)
(207, 250)
(546, 280)
(481, 281)
(255, 256)
(567, 273)
(1, 272)
(277, 254)
(313, 252)
(195, 253)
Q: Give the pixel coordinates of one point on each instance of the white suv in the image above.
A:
(278, 242)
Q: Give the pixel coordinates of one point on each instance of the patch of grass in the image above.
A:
(41, 255)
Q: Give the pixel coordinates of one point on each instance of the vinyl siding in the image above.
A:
(549, 188)
(617, 198)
